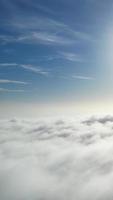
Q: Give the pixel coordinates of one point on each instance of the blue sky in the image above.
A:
(56, 51)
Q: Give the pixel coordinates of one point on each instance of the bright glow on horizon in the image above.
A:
(32, 110)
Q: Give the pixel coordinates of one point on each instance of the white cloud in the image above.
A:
(102, 120)
(71, 56)
(33, 29)
(10, 90)
(62, 159)
(79, 77)
(8, 64)
(27, 67)
(34, 69)
(83, 77)
(37, 38)
(13, 81)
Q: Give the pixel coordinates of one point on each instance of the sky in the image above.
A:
(55, 55)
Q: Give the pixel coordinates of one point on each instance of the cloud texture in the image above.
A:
(61, 159)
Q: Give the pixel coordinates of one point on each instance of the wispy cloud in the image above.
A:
(83, 77)
(42, 30)
(71, 56)
(38, 70)
(28, 67)
(34, 69)
(8, 90)
(8, 64)
(13, 81)
(60, 55)
(79, 77)
(45, 9)
(37, 38)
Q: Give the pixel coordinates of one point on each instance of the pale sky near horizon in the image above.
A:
(56, 55)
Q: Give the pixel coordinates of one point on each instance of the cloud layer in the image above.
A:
(62, 159)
